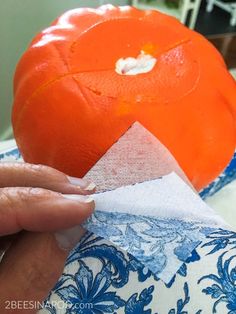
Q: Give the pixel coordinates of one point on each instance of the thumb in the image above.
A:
(31, 268)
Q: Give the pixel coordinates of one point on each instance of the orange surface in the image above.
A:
(71, 106)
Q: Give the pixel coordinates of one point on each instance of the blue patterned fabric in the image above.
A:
(228, 175)
(205, 283)
(13, 153)
(102, 276)
(160, 244)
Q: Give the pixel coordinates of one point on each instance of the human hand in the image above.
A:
(36, 202)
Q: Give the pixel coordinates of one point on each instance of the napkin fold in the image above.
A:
(159, 221)
(145, 204)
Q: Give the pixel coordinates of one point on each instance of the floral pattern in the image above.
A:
(181, 302)
(227, 176)
(221, 239)
(104, 289)
(118, 268)
(88, 290)
(160, 244)
(103, 275)
(85, 287)
(224, 288)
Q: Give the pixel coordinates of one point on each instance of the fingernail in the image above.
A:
(90, 187)
(68, 238)
(82, 184)
(79, 198)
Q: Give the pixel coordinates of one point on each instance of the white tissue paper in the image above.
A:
(137, 218)
(136, 157)
(153, 245)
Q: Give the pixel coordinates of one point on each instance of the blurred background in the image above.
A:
(20, 20)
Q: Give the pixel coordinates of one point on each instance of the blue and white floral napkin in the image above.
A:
(141, 234)
(159, 222)
(140, 218)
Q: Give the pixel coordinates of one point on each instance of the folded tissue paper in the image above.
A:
(152, 245)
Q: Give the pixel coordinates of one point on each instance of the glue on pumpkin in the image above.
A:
(87, 78)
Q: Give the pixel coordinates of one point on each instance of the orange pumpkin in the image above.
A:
(71, 105)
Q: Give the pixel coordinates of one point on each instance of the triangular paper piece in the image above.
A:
(136, 157)
(158, 221)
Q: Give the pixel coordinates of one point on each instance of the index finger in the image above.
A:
(40, 176)
(35, 209)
